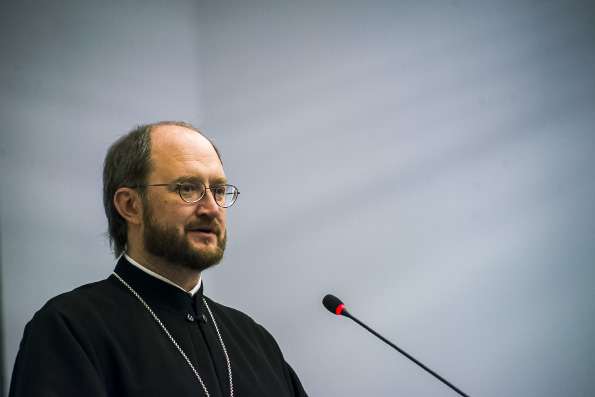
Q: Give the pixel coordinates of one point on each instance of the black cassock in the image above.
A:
(99, 340)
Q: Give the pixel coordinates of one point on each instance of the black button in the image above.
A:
(189, 317)
(203, 318)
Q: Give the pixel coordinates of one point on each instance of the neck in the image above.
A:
(179, 275)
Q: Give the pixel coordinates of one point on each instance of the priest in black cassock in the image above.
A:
(148, 329)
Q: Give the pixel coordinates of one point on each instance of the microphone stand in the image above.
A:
(403, 352)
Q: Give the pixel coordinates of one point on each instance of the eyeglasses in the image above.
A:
(225, 195)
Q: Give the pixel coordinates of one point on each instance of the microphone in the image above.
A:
(335, 306)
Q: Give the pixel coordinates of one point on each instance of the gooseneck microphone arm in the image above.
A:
(335, 306)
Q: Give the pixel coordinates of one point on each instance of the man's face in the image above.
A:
(180, 233)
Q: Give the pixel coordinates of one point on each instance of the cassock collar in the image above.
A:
(160, 277)
(156, 292)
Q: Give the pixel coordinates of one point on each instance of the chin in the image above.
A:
(205, 251)
(202, 246)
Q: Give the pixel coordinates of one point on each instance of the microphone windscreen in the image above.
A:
(331, 302)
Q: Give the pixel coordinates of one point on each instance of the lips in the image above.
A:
(204, 229)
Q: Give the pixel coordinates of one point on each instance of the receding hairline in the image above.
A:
(152, 128)
(163, 125)
(174, 128)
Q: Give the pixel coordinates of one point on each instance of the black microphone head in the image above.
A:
(333, 304)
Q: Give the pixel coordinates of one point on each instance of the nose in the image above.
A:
(207, 204)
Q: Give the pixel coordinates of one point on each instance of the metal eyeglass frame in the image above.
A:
(204, 191)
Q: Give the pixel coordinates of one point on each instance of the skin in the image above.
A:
(175, 152)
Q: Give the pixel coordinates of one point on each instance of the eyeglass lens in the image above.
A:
(225, 195)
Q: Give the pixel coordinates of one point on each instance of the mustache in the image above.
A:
(210, 225)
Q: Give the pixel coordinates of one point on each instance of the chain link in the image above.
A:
(171, 338)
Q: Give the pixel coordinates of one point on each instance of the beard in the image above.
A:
(166, 242)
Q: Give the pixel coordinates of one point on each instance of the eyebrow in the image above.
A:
(195, 179)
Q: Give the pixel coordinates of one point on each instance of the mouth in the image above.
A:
(203, 231)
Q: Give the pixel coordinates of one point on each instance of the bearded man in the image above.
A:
(148, 330)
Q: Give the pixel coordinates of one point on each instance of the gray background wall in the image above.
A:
(429, 162)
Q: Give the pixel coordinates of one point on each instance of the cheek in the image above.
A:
(177, 217)
(223, 219)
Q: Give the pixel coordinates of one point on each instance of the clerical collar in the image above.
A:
(158, 276)
(158, 293)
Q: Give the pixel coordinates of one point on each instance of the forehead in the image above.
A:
(179, 151)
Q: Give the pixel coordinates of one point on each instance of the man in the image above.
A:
(148, 330)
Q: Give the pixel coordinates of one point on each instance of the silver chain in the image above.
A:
(171, 338)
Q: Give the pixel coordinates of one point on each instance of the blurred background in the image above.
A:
(429, 162)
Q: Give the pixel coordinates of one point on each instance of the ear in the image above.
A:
(129, 205)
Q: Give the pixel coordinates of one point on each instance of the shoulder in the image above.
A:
(80, 298)
(231, 313)
(240, 322)
(245, 335)
(88, 303)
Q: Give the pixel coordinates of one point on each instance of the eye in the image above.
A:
(188, 188)
(219, 190)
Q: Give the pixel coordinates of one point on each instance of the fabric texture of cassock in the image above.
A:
(99, 340)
